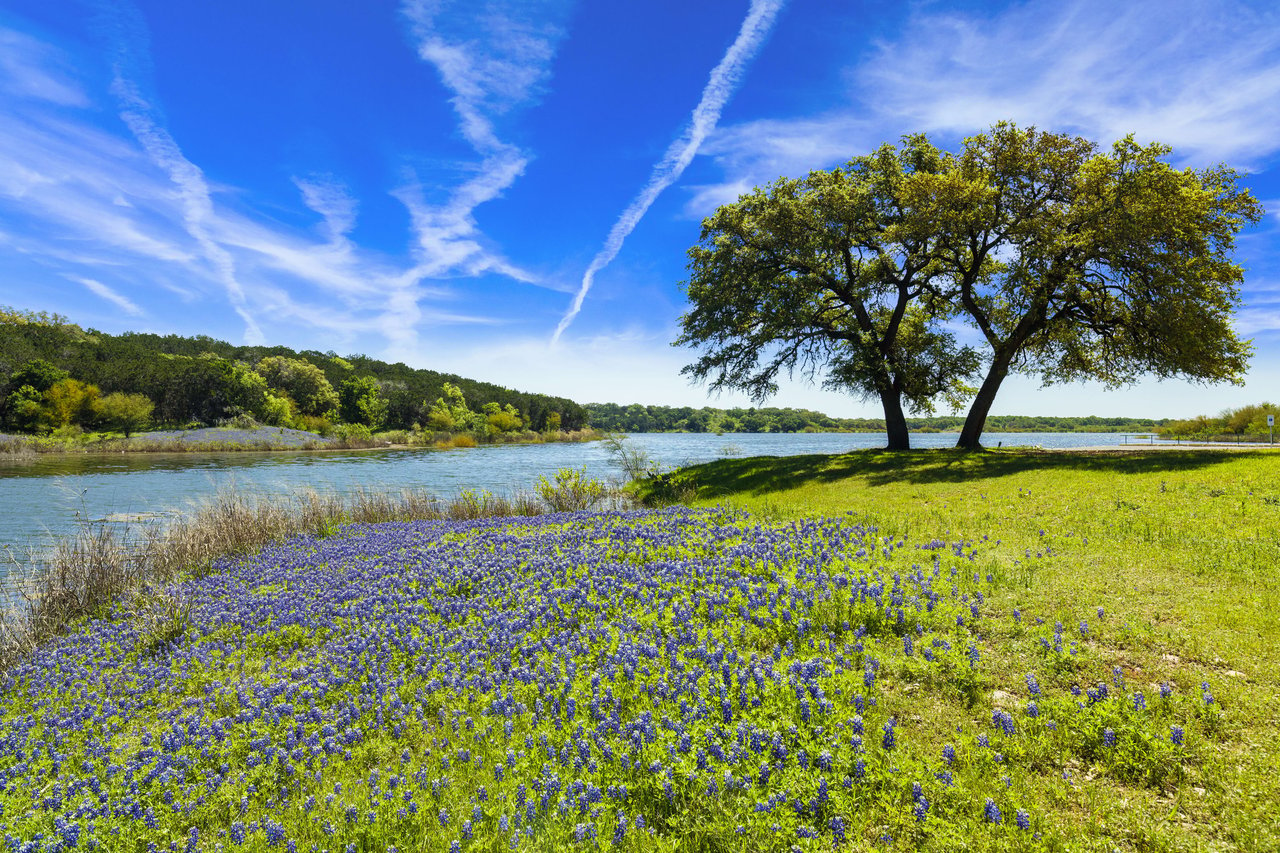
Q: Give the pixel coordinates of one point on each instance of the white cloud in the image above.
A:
(721, 85)
(325, 195)
(32, 69)
(122, 302)
(1202, 77)
(69, 176)
(493, 57)
(81, 200)
(1258, 319)
(146, 124)
(755, 153)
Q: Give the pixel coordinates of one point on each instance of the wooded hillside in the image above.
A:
(202, 379)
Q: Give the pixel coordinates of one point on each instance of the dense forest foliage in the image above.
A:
(54, 374)
(612, 417)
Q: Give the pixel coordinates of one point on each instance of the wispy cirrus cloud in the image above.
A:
(335, 204)
(721, 85)
(757, 152)
(494, 58)
(133, 212)
(1202, 77)
(122, 302)
(30, 68)
(130, 70)
(90, 187)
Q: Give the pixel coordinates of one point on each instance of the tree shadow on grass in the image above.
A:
(761, 475)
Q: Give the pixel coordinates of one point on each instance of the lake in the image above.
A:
(47, 497)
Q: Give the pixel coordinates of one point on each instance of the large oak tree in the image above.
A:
(1073, 263)
(826, 274)
(1068, 262)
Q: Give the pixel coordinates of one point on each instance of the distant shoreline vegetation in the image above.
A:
(611, 417)
(66, 387)
(255, 437)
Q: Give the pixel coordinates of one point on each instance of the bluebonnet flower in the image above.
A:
(991, 812)
(1175, 735)
(1108, 738)
(1023, 819)
(949, 754)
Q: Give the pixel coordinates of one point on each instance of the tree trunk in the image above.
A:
(895, 422)
(976, 420)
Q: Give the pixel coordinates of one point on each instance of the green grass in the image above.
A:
(1158, 565)
(1180, 549)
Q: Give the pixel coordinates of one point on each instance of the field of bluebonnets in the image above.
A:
(673, 679)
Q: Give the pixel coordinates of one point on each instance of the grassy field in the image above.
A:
(1179, 549)
(878, 651)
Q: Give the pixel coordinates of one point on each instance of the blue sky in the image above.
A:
(506, 190)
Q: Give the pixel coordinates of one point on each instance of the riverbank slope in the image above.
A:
(906, 651)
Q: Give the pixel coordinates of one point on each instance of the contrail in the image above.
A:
(720, 86)
(130, 61)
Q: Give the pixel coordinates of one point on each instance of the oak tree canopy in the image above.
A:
(909, 273)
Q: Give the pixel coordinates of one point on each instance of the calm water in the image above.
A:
(45, 498)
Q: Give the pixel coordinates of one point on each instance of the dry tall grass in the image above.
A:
(88, 573)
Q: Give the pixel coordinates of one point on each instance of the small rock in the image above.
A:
(1235, 673)
(1001, 698)
(1170, 658)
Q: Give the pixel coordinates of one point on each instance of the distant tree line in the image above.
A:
(54, 374)
(1244, 421)
(611, 417)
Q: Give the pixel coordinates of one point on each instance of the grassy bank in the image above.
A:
(911, 651)
(1178, 548)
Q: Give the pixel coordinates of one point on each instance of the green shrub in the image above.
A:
(572, 491)
(348, 432)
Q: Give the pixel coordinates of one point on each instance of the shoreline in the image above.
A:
(15, 445)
